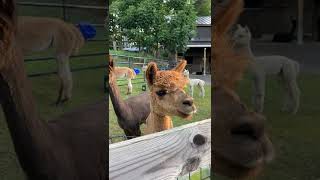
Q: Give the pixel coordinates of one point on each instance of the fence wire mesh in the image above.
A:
(203, 173)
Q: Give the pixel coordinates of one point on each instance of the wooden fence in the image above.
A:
(164, 155)
(131, 61)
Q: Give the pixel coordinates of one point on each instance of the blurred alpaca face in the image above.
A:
(186, 73)
(240, 144)
(241, 35)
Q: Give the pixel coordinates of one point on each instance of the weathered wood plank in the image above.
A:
(162, 156)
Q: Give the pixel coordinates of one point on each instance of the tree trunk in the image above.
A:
(114, 44)
(300, 21)
(157, 52)
(315, 21)
(173, 59)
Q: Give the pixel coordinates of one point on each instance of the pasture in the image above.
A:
(295, 137)
(88, 88)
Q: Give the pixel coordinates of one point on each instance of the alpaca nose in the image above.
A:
(252, 127)
(188, 102)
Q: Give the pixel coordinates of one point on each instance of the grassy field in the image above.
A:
(295, 137)
(200, 174)
(203, 106)
(88, 88)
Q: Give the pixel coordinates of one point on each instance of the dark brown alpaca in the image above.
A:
(72, 147)
(240, 144)
(132, 112)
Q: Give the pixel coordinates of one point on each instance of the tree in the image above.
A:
(141, 21)
(203, 7)
(180, 27)
(114, 27)
(151, 23)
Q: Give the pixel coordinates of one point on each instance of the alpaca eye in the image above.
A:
(161, 93)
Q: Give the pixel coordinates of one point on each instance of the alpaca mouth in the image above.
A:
(245, 132)
(187, 114)
(251, 163)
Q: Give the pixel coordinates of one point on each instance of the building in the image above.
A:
(198, 55)
(267, 17)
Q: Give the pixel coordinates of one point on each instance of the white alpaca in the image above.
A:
(195, 82)
(262, 66)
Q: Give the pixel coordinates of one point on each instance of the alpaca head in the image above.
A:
(186, 73)
(144, 68)
(241, 35)
(168, 97)
(241, 146)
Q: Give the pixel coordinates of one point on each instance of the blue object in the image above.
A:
(87, 30)
(136, 70)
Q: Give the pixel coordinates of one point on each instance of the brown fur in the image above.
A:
(79, 41)
(71, 147)
(167, 97)
(64, 38)
(132, 112)
(6, 32)
(240, 144)
(125, 72)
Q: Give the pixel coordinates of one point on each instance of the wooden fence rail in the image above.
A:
(162, 156)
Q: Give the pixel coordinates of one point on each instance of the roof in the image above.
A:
(201, 20)
(204, 20)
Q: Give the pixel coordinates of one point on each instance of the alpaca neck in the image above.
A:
(157, 122)
(29, 134)
(294, 27)
(249, 51)
(120, 107)
(245, 49)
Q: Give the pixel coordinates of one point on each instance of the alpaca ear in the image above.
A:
(181, 66)
(111, 64)
(247, 28)
(151, 73)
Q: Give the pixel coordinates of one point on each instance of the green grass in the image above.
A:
(295, 137)
(200, 174)
(88, 88)
(128, 53)
(203, 106)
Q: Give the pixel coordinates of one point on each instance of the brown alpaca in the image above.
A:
(240, 144)
(71, 147)
(167, 97)
(132, 112)
(65, 38)
(125, 72)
